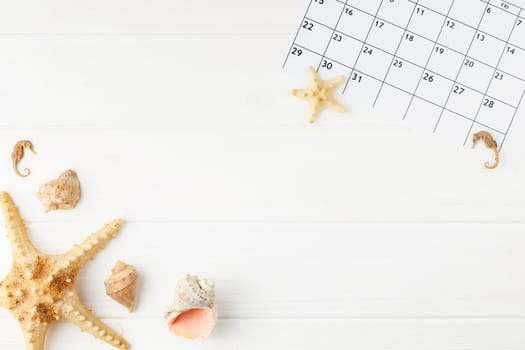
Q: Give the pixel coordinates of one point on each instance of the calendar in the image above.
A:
(446, 67)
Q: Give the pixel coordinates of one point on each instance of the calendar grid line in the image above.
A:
(297, 33)
(459, 72)
(490, 82)
(414, 64)
(445, 76)
(379, 80)
(408, 61)
(502, 9)
(403, 90)
(512, 120)
(331, 36)
(395, 54)
(442, 14)
(425, 38)
(320, 23)
(468, 25)
(428, 61)
(363, 45)
(421, 36)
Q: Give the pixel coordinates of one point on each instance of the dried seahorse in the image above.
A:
(18, 154)
(490, 143)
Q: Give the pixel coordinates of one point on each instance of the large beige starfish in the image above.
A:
(40, 289)
(320, 94)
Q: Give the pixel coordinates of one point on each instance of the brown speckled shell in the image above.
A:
(61, 193)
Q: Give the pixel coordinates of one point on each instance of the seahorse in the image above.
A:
(18, 154)
(490, 143)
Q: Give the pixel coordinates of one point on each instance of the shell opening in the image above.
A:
(196, 323)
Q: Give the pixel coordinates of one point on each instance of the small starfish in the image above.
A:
(40, 289)
(320, 94)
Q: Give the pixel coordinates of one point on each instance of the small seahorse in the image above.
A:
(18, 154)
(490, 143)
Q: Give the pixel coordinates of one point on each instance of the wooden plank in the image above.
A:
(299, 334)
(161, 82)
(306, 175)
(150, 17)
(148, 81)
(309, 270)
(183, 108)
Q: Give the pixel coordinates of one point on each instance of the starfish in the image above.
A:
(40, 289)
(320, 94)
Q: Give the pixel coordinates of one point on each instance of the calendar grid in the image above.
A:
(439, 13)
(409, 61)
(333, 32)
(466, 24)
(428, 60)
(405, 91)
(502, 9)
(435, 56)
(419, 35)
(363, 45)
(512, 120)
(297, 33)
(459, 73)
(490, 82)
(442, 14)
(395, 53)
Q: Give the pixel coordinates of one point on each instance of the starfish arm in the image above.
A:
(77, 257)
(16, 229)
(314, 77)
(301, 93)
(334, 83)
(334, 105)
(315, 109)
(34, 334)
(73, 311)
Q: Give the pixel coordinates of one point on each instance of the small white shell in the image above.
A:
(193, 313)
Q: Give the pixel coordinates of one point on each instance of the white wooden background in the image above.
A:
(349, 234)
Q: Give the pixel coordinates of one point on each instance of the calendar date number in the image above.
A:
(308, 25)
(428, 77)
(297, 51)
(488, 103)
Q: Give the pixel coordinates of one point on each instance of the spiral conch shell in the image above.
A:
(121, 286)
(61, 193)
(193, 315)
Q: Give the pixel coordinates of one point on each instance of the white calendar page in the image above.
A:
(445, 67)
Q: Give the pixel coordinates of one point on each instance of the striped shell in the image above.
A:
(121, 286)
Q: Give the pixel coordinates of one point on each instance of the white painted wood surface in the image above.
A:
(351, 233)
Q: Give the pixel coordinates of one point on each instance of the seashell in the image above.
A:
(121, 286)
(193, 315)
(61, 193)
